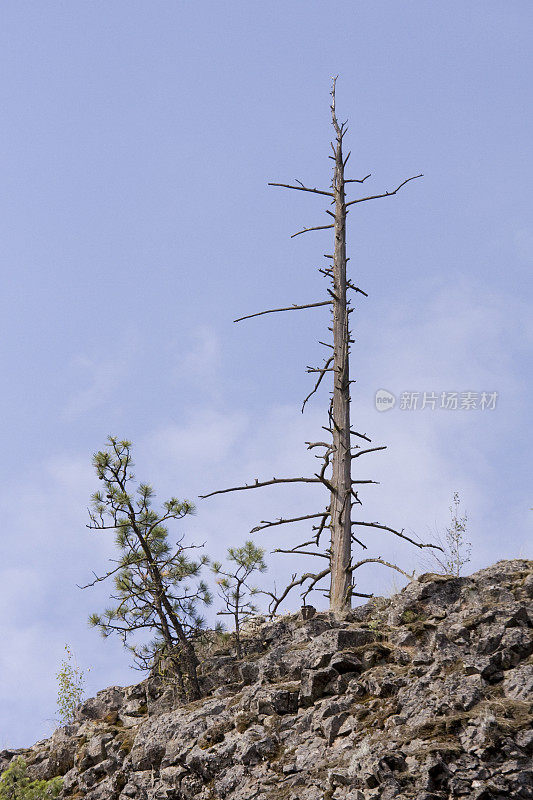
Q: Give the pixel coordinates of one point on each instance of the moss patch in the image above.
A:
(213, 735)
(411, 615)
(126, 739)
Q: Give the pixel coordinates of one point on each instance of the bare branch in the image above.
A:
(357, 180)
(326, 458)
(355, 539)
(297, 552)
(308, 576)
(316, 228)
(325, 481)
(317, 384)
(360, 435)
(97, 579)
(369, 450)
(385, 563)
(303, 188)
(356, 497)
(258, 484)
(289, 308)
(385, 194)
(266, 524)
(350, 285)
(401, 534)
(320, 529)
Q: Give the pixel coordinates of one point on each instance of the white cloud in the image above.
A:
(205, 438)
(458, 334)
(49, 552)
(460, 339)
(100, 376)
(202, 359)
(523, 241)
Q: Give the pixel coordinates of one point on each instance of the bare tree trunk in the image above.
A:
(237, 620)
(340, 522)
(187, 655)
(336, 454)
(238, 644)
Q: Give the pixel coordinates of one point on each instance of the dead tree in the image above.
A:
(337, 454)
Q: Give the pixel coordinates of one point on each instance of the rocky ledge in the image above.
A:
(425, 695)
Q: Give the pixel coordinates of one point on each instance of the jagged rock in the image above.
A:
(329, 643)
(423, 696)
(346, 662)
(105, 702)
(314, 683)
(277, 700)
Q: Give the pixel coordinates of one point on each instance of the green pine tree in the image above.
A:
(156, 591)
(233, 584)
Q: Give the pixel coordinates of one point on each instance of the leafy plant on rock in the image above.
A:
(70, 687)
(15, 784)
(456, 547)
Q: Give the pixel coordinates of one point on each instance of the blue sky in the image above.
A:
(136, 223)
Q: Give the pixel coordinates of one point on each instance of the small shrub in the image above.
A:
(458, 548)
(70, 687)
(454, 549)
(15, 784)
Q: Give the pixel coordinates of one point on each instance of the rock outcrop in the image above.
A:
(426, 695)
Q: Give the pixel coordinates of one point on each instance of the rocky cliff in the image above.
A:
(425, 695)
